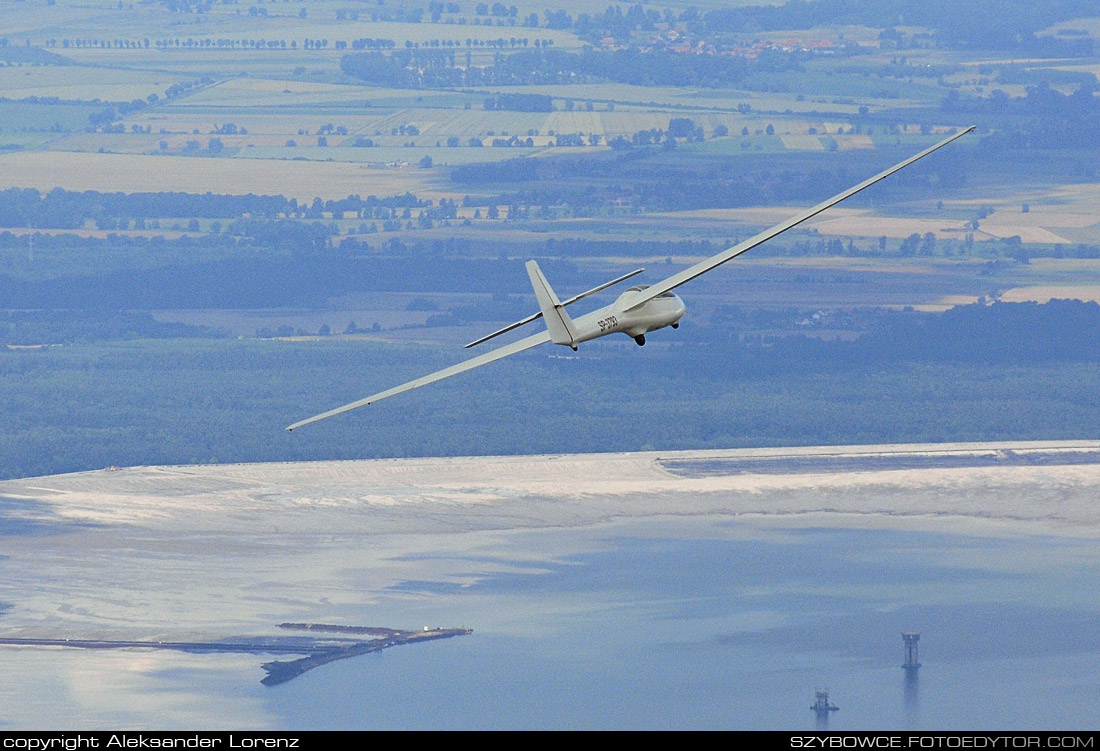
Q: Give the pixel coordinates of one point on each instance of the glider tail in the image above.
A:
(558, 322)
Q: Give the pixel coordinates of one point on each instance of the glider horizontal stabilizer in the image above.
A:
(570, 301)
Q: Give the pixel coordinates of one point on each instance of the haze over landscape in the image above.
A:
(221, 216)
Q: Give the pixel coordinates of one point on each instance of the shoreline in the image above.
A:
(1047, 485)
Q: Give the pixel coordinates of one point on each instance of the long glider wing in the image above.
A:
(703, 267)
(462, 367)
(651, 292)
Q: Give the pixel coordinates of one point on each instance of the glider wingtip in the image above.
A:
(302, 423)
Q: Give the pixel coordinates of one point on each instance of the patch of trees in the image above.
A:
(515, 141)
(63, 209)
(684, 127)
(115, 111)
(613, 22)
(1025, 76)
(36, 327)
(1002, 332)
(229, 129)
(283, 234)
(1043, 118)
(354, 203)
(187, 6)
(658, 67)
(978, 335)
(498, 9)
(179, 89)
(392, 70)
(367, 43)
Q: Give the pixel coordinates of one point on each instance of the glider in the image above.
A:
(636, 312)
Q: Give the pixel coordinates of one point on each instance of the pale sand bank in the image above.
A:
(1051, 486)
(187, 552)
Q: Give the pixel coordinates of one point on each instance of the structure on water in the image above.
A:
(822, 705)
(912, 661)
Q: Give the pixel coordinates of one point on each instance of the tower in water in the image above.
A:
(912, 680)
(912, 659)
(822, 707)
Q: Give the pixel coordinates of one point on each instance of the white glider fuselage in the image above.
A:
(627, 317)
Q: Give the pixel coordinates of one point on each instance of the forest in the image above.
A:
(976, 373)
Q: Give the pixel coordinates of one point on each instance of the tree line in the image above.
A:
(28, 328)
(65, 209)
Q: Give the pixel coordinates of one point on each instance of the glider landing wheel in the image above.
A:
(640, 339)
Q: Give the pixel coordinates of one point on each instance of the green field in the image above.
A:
(285, 97)
(17, 117)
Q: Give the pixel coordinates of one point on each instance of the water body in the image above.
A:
(801, 463)
(656, 623)
(697, 632)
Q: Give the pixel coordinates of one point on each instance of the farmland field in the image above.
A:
(134, 172)
(73, 18)
(273, 111)
(1044, 293)
(247, 114)
(76, 82)
(17, 116)
(387, 155)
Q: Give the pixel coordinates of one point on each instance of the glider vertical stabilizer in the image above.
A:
(558, 322)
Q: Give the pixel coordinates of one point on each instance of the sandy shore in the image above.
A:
(1049, 486)
(191, 553)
